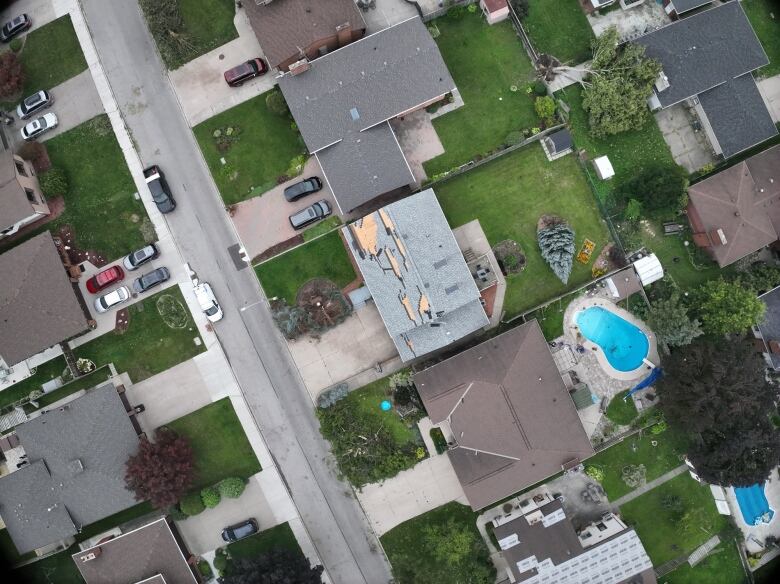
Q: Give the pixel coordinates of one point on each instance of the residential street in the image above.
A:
(258, 356)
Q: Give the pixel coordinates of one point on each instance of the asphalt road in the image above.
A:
(258, 355)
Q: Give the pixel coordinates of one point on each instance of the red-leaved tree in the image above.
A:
(11, 75)
(161, 471)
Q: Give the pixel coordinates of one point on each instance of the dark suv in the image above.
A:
(150, 280)
(240, 530)
(303, 188)
(245, 71)
(161, 194)
(310, 214)
(14, 27)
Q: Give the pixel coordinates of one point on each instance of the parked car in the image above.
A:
(141, 256)
(150, 280)
(39, 126)
(240, 530)
(303, 188)
(33, 104)
(14, 27)
(310, 214)
(208, 302)
(245, 71)
(104, 279)
(161, 194)
(113, 298)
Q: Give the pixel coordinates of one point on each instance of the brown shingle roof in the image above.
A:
(38, 305)
(743, 202)
(509, 411)
(14, 205)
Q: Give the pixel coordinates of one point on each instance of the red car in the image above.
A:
(245, 71)
(104, 279)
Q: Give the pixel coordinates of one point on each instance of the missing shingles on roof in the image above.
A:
(440, 263)
(451, 289)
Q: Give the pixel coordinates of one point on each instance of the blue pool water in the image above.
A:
(753, 504)
(624, 345)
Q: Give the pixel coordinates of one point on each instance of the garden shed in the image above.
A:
(603, 168)
(649, 269)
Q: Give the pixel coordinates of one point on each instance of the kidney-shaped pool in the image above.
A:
(624, 345)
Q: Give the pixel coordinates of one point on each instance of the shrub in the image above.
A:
(191, 504)
(556, 244)
(204, 568)
(210, 497)
(659, 428)
(275, 102)
(510, 261)
(330, 396)
(11, 75)
(633, 211)
(545, 107)
(231, 487)
(472, 8)
(220, 561)
(177, 514)
(15, 45)
(521, 7)
(439, 441)
(540, 88)
(594, 472)
(457, 12)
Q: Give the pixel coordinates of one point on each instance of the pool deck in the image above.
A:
(756, 534)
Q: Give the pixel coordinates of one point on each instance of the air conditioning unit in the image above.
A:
(89, 556)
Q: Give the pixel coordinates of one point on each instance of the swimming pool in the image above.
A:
(624, 345)
(753, 504)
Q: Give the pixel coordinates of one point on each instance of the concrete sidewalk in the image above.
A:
(650, 486)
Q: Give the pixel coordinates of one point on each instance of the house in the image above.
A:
(557, 144)
(152, 550)
(676, 8)
(506, 413)
(343, 103)
(769, 328)
(417, 275)
(69, 471)
(39, 305)
(494, 10)
(540, 544)
(21, 199)
(291, 30)
(737, 211)
(708, 60)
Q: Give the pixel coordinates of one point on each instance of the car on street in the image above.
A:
(104, 279)
(150, 280)
(141, 256)
(114, 298)
(240, 530)
(245, 71)
(310, 214)
(161, 194)
(303, 188)
(14, 27)
(33, 104)
(208, 302)
(39, 126)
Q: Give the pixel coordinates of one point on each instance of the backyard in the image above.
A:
(485, 62)
(43, 373)
(277, 537)
(258, 147)
(559, 28)
(325, 257)
(722, 566)
(508, 196)
(221, 448)
(767, 29)
(621, 410)
(160, 334)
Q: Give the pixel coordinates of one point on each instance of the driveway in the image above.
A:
(75, 101)
(200, 86)
(690, 148)
(41, 11)
(262, 222)
(770, 90)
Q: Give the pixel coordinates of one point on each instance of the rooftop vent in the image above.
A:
(451, 289)
(662, 82)
(75, 467)
(89, 556)
(355, 114)
(440, 263)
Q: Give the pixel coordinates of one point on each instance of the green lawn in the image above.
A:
(221, 448)
(153, 342)
(280, 536)
(559, 28)
(485, 61)
(508, 196)
(41, 45)
(86, 382)
(59, 568)
(621, 411)
(8, 552)
(99, 204)
(43, 373)
(325, 257)
(550, 317)
(723, 566)
(767, 29)
(659, 459)
(264, 149)
(117, 519)
(667, 533)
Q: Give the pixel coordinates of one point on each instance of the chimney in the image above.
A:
(344, 33)
(300, 67)
(84, 558)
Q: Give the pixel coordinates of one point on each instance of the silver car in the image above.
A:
(113, 298)
(33, 104)
(141, 256)
(39, 126)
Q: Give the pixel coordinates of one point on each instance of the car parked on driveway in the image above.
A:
(14, 27)
(310, 214)
(150, 280)
(141, 256)
(33, 104)
(39, 126)
(113, 298)
(208, 302)
(161, 194)
(104, 279)
(303, 188)
(240, 530)
(245, 71)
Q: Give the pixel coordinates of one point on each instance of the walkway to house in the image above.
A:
(650, 486)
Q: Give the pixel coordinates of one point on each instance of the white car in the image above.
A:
(113, 298)
(39, 126)
(208, 302)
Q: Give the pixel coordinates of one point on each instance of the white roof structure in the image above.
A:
(603, 167)
(649, 269)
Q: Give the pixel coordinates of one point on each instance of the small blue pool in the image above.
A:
(624, 345)
(753, 504)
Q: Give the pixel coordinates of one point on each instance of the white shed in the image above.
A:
(603, 168)
(649, 269)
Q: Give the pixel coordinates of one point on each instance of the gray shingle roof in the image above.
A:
(704, 50)
(738, 115)
(38, 304)
(76, 474)
(416, 273)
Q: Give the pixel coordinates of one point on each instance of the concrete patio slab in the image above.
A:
(419, 141)
(630, 23)
(75, 101)
(387, 13)
(690, 148)
(770, 91)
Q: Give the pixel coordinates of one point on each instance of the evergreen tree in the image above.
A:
(556, 242)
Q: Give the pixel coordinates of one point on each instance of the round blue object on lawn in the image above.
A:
(386, 405)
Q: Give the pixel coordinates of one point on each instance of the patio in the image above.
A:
(685, 137)
(630, 23)
(418, 140)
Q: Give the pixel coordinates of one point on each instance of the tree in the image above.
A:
(718, 397)
(545, 108)
(276, 566)
(556, 242)
(669, 319)
(11, 75)
(275, 102)
(726, 307)
(161, 471)
(658, 188)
